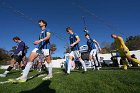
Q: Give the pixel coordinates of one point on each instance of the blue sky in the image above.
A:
(122, 14)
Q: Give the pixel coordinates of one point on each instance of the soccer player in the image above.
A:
(43, 47)
(75, 53)
(93, 47)
(17, 56)
(123, 51)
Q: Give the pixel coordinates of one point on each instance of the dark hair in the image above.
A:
(112, 35)
(68, 28)
(44, 22)
(16, 38)
(87, 34)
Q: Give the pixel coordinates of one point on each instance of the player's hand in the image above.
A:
(124, 50)
(36, 42)
(72, 45)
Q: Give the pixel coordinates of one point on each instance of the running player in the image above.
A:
(17, 56)
(43, 47)
(75, 53)
(123, 51)
(93, 48)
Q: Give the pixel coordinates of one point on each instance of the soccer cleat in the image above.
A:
(67, 74)
(42, 75)
(2, 75)
(47, 77)
(12, 80)
(98, 68)
(21, 79)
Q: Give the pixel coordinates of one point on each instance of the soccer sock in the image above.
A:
(93, 64)
(46, 64)
(96, 62)
(27, 69)
(6, 72)
(23, 67)
(9, 68)
(125, 64)
(84, 65)
(136, 60)
(50, 69)
(69, 66)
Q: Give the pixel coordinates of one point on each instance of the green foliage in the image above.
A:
(53, 48)
(55, 58)
(4, 56)
(133, 42)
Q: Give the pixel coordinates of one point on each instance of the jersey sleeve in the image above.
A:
(76, 36)
(48, 33)
(94, 41)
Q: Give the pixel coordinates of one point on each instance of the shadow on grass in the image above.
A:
(42, 88)
(36, 75)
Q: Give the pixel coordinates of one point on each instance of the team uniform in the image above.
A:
(93, 49)
(18, 55)
(44, 46)
(75, 53)
(124, 51)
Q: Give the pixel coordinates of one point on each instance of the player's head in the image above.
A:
(69, 30)
(87, 36)
(16, 39)
(114, 36)
(42, 23)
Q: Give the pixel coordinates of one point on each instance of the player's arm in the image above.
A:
(77, 40)
(98, 46)
(47, 37)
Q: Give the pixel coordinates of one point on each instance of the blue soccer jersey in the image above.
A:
(46, 43)
(91, 44)
(73, 38)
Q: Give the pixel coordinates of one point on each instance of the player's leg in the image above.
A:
(95, 59)
(128, 56)
(12, 62)
(71, 56)
(39, 66)
(48, 63)
(91, 59)
(78, 55)
(22, 65)
(125, 63)
(32, 56)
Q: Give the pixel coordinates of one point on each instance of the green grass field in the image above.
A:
(107, 80)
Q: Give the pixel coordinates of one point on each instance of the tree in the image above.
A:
(133, 42)
(4, 56)
(53, 48)
(106, 47)
(67, 47)
(55, 58)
